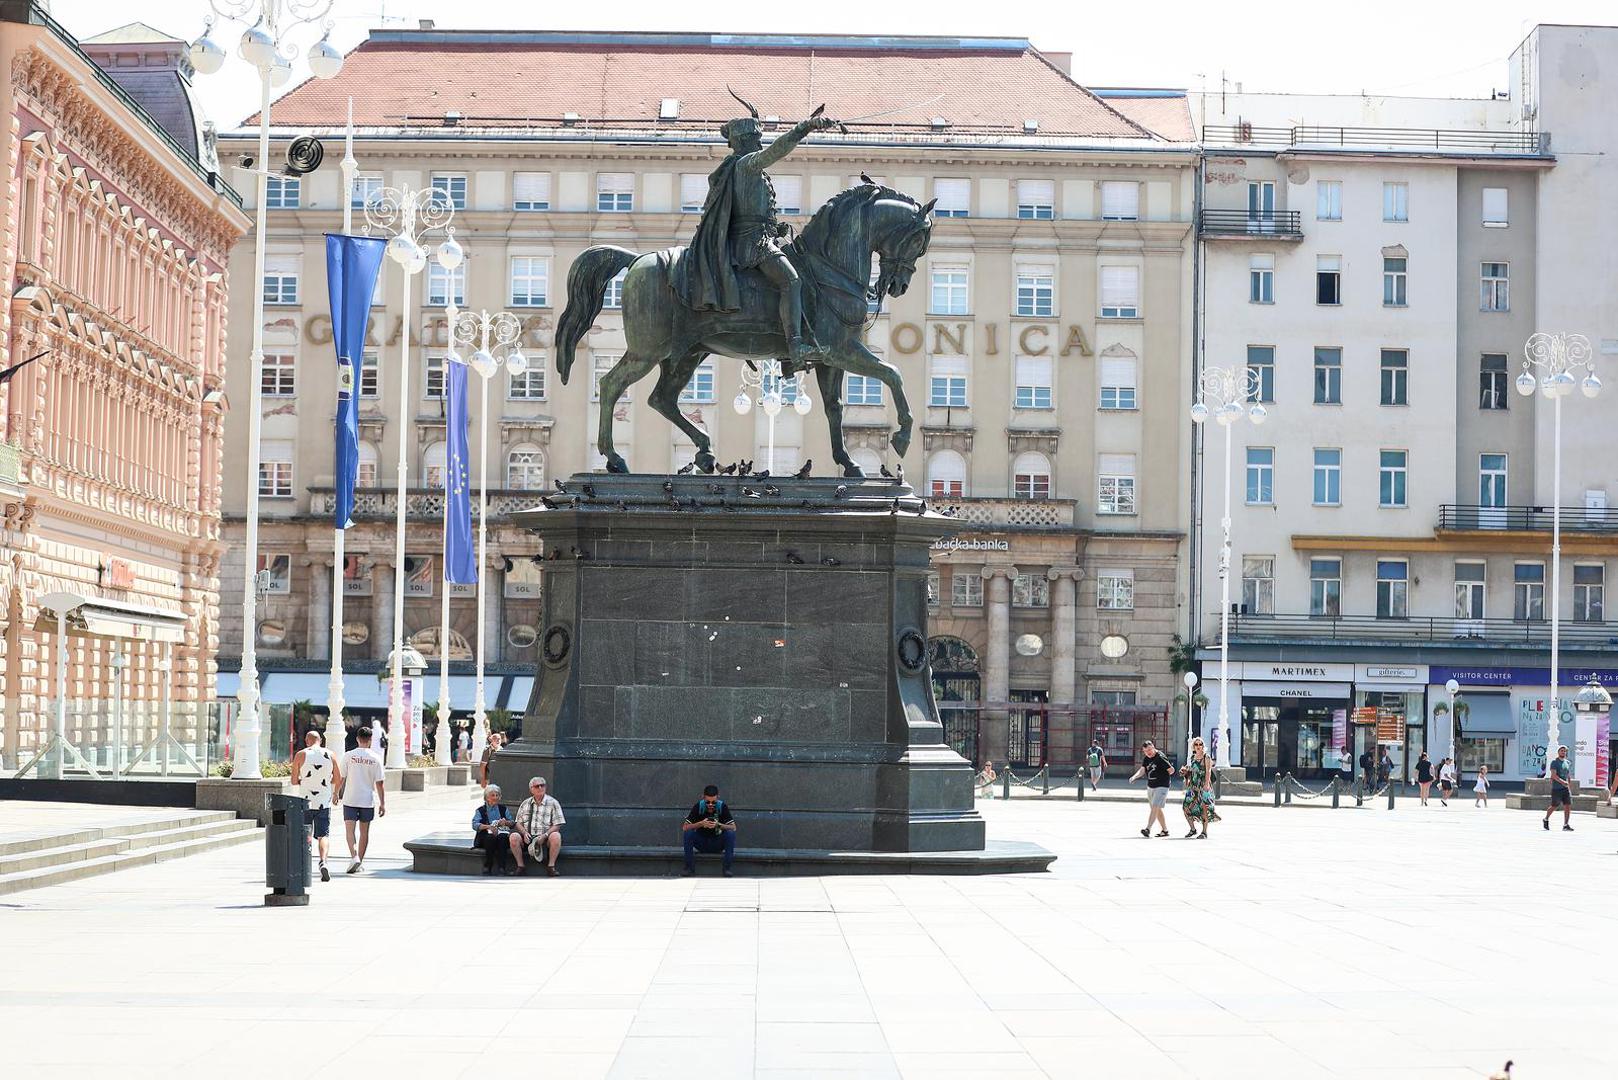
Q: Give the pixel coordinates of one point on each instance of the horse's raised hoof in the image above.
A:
(705, 462)
(852, 471)
(616, 464)
(901, 441)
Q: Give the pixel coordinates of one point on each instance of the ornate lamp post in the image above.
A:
(766, 379)
(409, 215)
(494, 338)
(1453, 688)
(265, 46)
(336, 730)
(1229, 395)
(1551, 363)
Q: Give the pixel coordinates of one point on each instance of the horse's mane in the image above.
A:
(829, 219)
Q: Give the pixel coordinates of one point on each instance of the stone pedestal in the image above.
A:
(768, 636)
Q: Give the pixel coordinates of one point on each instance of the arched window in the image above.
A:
(868, 460)
(525, 467)
(946, 475)
(1031, 476)
(366, 473)
(432, 465)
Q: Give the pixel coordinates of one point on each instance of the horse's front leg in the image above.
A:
(856, 359)
(831, 393)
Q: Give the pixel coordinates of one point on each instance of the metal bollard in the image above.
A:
(1289, 789)
(1078, 781)
(1390, 794)
(1334, 785)
(1046, 774)
(1278, 789)
(1005, 782)
(1359, 792)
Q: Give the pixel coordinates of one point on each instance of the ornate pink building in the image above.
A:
(116, 232)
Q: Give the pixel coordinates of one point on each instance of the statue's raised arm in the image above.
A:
(785, 143)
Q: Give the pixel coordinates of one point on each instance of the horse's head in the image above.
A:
(900, 242)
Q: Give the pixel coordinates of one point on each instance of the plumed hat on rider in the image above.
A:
(739, 130)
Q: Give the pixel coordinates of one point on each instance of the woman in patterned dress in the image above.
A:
(1198, 803)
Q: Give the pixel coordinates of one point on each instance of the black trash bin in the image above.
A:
(286, 851)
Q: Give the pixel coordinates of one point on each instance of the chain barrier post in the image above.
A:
(1278, 789)
(1046, 773)
(1335, 784)
(1078, 780)
(1289, 789)
(1390, 794)
(1005, 782)
(1359, 792)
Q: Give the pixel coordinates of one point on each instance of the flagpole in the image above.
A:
(336, 730)
(441, 741)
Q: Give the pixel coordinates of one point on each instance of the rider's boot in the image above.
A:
(791, 308)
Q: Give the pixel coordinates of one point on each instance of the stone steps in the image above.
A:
(82, 853)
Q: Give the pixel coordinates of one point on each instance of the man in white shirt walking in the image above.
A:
(316, 773)
(363, 796)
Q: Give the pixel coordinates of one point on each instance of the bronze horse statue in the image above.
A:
(833, 258)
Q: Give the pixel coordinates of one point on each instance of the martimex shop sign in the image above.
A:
(1302, 672)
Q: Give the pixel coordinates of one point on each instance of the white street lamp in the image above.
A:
(1556, 359)
(266, 47)
(495, 338)
(336, 730)
(767, 380)
(1453, 688)
(1227, 394)
(409, 215)
(1190, 711)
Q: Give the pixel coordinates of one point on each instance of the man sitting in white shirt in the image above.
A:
(539, 823)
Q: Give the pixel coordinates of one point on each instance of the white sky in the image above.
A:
(1437, 47)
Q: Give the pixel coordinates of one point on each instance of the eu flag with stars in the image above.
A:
(352, 264)
(460, 558)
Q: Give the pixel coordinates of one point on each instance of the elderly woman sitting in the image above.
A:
(539, 823)
(492, 825)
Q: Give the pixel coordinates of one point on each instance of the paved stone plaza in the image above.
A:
(1293, 943)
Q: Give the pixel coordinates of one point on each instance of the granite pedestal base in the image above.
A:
(765, 635)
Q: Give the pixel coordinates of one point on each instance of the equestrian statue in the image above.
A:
(743, 289)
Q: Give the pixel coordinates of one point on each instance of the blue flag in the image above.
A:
(352, 264)
(460, 559)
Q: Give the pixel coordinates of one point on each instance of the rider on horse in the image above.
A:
(739, 230)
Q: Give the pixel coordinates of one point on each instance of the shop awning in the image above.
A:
(1487, 716)
(95, 616)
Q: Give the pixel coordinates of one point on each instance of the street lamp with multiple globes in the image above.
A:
(1229, 395)
(409, 215)
(1452, 688)
(1550, 364)
(265, 46)
(494, 339)
(767, 379)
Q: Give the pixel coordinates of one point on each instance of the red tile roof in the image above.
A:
(1168, 116)
(412, 78)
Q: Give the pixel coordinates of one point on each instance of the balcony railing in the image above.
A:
(1274, 225)
(1380, 138)
(1414, 630)
(1578, 519)
(380, 503)
(1013, 513)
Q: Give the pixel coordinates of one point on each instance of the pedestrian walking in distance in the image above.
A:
(1159, 776)
(363, 796)
(1480, 789)
(1560, 773)
(1446, 780)
(316, 773)
(1198, 804)
(1097, 761)
(1424, 776)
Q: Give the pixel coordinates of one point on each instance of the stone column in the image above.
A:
(994, 732)
(318, 612)
(492, 629)
(1062, 719)
(382, 608)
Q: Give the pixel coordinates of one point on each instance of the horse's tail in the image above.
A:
(586, 287)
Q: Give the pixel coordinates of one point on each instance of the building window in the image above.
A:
(1260, 373)
(1258, 584)
(613, 298)
(279, 376)
(1392, 477)
(1261, 279)
(1118, 383)
(1112, 697)
(949, 291)
(946, 475)
(693, 192)
(531, 191)
(1120, 292)
(275, 468)
(1031, 476)
(367, 190)
(873, 299)
(862, 390)
(445, 286)
(1395, 377)
(449, 189)
(1036, 293)
(530, 281)
(283, 193)
(1494, 208)
(1261, 475)
(1587, 585)
(1033, 375)
(947, 383)
(1328, 376)
(1036, 199)
(1328, 487)
(615, 192)
(432, 464)
(700, 388)
(1115, 491)
(525, 468)
(1120, 200)
(966, 589)
(530, 385)
(1395, 282)
(1326, 587)
(1030, 591)
(1395, 201)
(281, 279)
(275, 572)
(1529, 592)
(1329, 279)
(1492, 381)
(1329, 200)
(788, 194)
(933, 587)
(1492, 487)
(600, 364)
(1496, 286)
(954, 197)
(1469, 590)
(1392, 589)
(365, 472)
(433, 378)
(370, 378)
(1115, 590)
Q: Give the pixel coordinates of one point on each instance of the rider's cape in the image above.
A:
(705, 279)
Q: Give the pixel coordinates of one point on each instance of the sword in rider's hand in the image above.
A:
(842, 125)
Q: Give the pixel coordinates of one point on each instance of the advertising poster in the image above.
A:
(1584, 748)
(1603, 750)
(1532, 720)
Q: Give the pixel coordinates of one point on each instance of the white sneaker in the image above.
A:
(325, 874)
(355, 866)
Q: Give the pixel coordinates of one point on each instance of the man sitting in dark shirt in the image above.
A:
(709, 828)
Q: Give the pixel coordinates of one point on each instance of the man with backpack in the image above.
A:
(1097, 761)
(709, 828)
